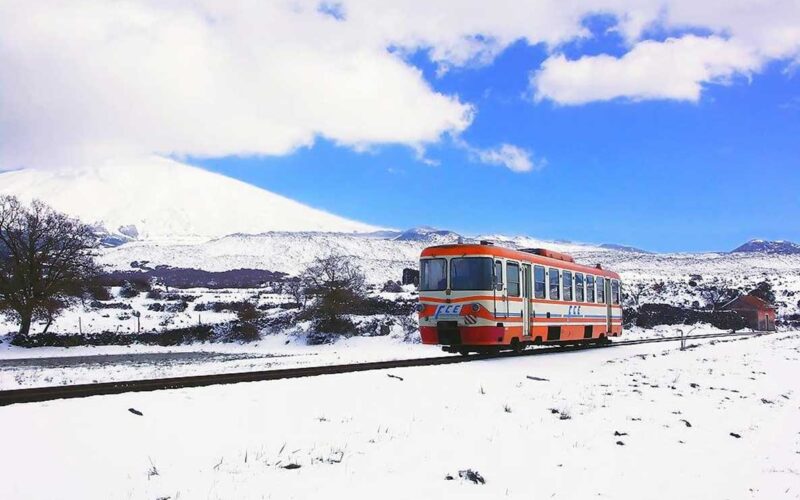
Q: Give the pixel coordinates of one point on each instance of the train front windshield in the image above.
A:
(433, 274)
(471, 273)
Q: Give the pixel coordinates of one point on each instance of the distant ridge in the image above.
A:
(623, 248)
(429, 235)
(780, 247)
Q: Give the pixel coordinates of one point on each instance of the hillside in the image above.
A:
(771, 247)
(684, 275)
(158, 198)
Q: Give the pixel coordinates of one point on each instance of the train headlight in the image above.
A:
(420, 307)
(476, 307)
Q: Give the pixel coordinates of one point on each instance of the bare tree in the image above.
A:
(635, 293)
(46, 260)
(338, 285)
(717, 296)
(297, 290)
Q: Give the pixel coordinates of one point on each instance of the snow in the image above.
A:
(51, 366)
(157, 198)
(368, 435)
(383, 259)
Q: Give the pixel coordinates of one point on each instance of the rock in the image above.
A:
(471, 475)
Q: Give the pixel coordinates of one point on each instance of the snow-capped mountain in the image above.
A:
(158, 198)
(429, 235)
(765, 246)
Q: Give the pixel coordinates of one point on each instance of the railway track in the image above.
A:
(39, 394)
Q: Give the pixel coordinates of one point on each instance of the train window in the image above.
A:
(512, 274)
(433, 274)
(601, 290)
(615, 291)
(589, 288)
(553, 278)
(578, 287)
(498, 275)
(539, 284)
(471, 273)
(566, 284)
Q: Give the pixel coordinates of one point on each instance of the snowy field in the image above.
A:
(48, 366)
(720, 420)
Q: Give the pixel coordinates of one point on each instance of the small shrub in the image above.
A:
(154, 294)
(128, 290)
(176, 307)
(100, 293)
(392, 287)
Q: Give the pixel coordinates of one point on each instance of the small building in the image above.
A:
(758, 314)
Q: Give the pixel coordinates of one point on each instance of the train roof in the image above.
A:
(535, 256)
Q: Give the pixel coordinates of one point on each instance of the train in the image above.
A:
(481, 297)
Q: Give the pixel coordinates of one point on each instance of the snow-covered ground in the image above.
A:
(49, 366)
(719, 420)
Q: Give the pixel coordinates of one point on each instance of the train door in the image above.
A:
(526, 300)
(607, 282)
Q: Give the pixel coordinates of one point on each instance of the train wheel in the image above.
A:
(463, 352)
(517, 346)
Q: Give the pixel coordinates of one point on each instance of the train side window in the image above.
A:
(566, 284)
(539, 282)
(589, 288)
(512, 275)
(579, 287)
(553, 279)
(498, 275)
(615, 291)
(601, 289)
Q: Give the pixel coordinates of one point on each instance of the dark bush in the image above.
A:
(392, 287)
(99, 292)
(176, 307)
(247, 327)
(199, 333)
(335, 326)
(154, 294)
(128, 290)
(650, 315)
(111, 305)
(410, 276)
(376, 305)
(156, 306)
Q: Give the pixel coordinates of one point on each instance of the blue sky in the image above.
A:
(663, 175)
(664, 124)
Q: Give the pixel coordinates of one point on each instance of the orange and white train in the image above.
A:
(483, 298)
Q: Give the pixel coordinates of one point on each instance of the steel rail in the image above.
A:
(39, 394)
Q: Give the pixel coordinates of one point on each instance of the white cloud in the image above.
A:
(92, 79)
(512, 157)
(744, 36)
(674, 69)
(88, 79)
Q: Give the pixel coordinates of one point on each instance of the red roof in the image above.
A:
(748, 302)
